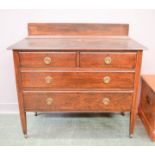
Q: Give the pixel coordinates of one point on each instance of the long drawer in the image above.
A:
(109, 60)
(81, 101)
(79, 80)
(47, 59)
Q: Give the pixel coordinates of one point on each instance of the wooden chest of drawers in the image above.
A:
(147, 104)
(77, 68)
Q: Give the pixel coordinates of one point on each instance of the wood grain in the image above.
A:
(77, 101)
(77, 80)
(150, 80)
(119, 60)
(147, 107)
(135, 103)
(58, 59)
(76, 71)
(87, 44)
(78, 29)
(19, 92)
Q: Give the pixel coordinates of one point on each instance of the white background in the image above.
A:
(13, 27)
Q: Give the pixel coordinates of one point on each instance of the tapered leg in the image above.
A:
(133, 116)
(24, 123)
(23, 120)
(134, 107)
(132, 124)
(35, 114)
(20, 93)
(133, 113)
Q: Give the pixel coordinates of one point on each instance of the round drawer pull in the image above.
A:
(47, 60)
(48, 79)
(106, 101)
(106, 79)
(107, 60)
(49, 101)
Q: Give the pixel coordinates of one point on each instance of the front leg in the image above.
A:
(134, 107)
(20, 93)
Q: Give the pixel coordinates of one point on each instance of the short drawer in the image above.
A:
(77, 101)
(78, 80)
(47, 59)
(108, 60)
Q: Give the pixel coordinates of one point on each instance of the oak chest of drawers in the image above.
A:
(77, 68)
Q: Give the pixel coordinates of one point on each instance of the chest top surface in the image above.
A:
(77, 37)
(150, 80)
(77, 43)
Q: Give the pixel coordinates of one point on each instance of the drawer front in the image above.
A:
(148, 103)
(77, 101)
(79, 80)
(47, 59)
(108, 60)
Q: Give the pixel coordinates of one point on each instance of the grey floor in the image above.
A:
(72, 129)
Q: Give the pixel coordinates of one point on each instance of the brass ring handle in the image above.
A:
(49, 101)
(48, 79)
(106, 101)
(47, 60)
(107, 60)
(106, 79)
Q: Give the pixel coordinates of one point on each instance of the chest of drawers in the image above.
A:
(77, 68)
(147, 104)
